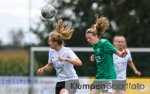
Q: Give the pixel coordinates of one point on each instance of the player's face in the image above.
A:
(119, 43)
(91, 39)
(51, 43)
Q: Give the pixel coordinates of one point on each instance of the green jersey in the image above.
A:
(103, 54)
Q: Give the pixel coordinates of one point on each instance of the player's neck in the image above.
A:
(97, 40)
(58, 48)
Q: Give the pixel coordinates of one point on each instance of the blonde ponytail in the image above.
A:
(61, 32)
(65, 31)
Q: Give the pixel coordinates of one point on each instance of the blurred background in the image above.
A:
(22, 27)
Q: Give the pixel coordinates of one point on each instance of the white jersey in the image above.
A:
(64, 70)
(121, 65)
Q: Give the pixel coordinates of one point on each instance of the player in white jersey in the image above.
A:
(121, 64)
(62, 59)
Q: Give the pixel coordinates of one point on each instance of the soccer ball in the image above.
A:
(48, 11)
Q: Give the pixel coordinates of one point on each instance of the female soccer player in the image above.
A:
(103, 53)
(121, 64)
(62, 59)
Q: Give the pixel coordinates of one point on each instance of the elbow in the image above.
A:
(76, 62)
(79, 63)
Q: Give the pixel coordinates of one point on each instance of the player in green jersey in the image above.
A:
(103, 53)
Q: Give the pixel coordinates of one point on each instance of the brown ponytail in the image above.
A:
(101, 25)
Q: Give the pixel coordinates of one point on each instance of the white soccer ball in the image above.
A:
(48, 11)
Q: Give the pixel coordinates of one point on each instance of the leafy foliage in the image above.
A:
(130, 18)
(14, 63)
(127, 17)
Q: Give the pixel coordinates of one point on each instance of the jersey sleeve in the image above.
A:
(129, 55)
(49, 56)
(109, 48)
(71, 54)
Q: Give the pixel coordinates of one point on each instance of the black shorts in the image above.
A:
(66, 85)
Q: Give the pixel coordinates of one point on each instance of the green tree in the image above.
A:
(17, 38)
(130, 18)
(127, 17)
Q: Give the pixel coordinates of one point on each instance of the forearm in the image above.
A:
(119, 53)
(131, 64)
(76, 61)
(47, 67)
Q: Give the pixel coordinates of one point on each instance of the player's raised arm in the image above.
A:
(74, 61)
(47, 67)
(121, 53)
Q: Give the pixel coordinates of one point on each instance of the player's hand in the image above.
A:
(62, 58)
(124, 53)
(40, 71)
(138, 73)
(92, 58)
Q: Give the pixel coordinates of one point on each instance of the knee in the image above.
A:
(64, 91)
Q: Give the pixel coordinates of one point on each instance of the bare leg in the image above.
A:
(94, 91)
(114, 91)
(64, 91)
(108, 93)
(121, 92)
